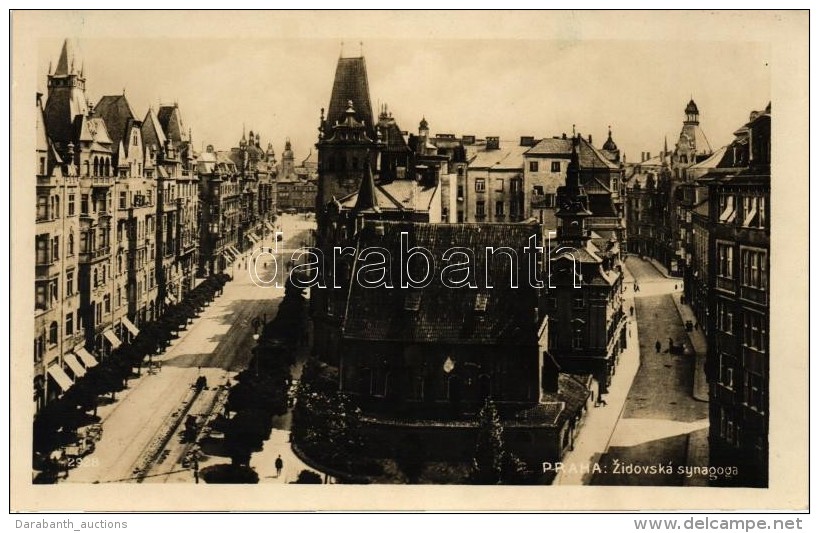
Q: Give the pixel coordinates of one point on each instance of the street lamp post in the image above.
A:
(256, 362)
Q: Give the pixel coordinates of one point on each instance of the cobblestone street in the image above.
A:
(660, 413)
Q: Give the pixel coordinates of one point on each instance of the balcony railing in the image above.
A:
(726, 284)
(100, 181)
(95, 255)
(753, 294)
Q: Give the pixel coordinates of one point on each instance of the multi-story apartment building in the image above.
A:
(296, 186)
(738, 361)
(220, 191)
(58, 330)
(494, 182)
(545, 167)
(117, 224)
(585, 307)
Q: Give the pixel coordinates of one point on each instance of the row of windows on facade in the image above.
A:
(88, 240)
(50, 338)
(754, 326)
(48, 208)
(480, 208)
(416, 387)
(730, 431)
(480, 186)
(101, 167)
(47, 293)
(746, 210)
(752, 386)
(534, 166)
(753, 265)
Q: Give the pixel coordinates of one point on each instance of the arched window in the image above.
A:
(96, 166)
(107, 170)
(485, 386)
(365, 378)
(53, 333)
(119, 263)
(94, 278)
(453, 389)
(86, 168)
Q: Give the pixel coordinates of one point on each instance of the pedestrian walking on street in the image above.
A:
(631, 311)
(657, 346)
(279, 465)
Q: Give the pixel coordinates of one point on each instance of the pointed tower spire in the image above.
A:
(66, 62)
(367, 199)
(573, 170)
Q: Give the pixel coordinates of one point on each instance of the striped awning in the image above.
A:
(74, 365)
(59, 375)
(130, 326)
(87, 359)
(269, 226)
(252, 238)
(112, 338)
(234, 251)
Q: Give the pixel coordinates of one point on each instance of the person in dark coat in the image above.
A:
(279, 465)
(657, 346)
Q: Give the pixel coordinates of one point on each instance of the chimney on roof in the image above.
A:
(590, 138)
(564, 134)
(492, 143)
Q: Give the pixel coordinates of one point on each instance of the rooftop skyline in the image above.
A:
(277, 87)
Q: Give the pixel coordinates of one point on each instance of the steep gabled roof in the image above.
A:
(118, 116)
(171, 120)
(444, 314)
(152, 134)
(398, 195)
(351, 83)
(590, 157)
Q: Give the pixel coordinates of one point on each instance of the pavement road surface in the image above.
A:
(216, 345)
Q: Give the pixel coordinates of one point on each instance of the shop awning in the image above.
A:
(269, 226)
(74, 365)
(130, 326)
(112, 338)
(59, 375)
(87, 359)
(235, 252)
(252, 238)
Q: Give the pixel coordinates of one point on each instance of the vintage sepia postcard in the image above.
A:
(428, 260)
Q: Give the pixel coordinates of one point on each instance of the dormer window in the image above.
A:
(412, 301)
(481, 301)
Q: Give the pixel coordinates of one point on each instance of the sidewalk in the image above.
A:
(700, 346)
(660, 267)
(600, 422)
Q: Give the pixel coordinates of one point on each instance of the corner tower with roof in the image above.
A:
(346, 144)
